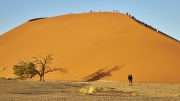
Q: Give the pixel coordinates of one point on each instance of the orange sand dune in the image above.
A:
(85, 43)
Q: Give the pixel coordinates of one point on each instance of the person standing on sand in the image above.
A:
(130, 78)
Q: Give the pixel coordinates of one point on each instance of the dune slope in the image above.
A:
(85, 43)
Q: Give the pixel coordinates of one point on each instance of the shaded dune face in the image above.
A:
(86, 43)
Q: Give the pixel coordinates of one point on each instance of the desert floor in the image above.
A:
(15, 90)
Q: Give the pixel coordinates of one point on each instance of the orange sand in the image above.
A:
(85, 43)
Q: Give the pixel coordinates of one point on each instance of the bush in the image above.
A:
(135, 93)
(25, 70)
(89, 90)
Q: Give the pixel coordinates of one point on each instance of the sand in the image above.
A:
(12, 90)
(84, 43)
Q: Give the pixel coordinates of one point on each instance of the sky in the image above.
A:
(161, 14)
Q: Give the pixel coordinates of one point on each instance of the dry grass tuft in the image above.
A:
(135, 93)
(89, 90)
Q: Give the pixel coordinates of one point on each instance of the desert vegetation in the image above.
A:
(25, 70)
(38, 66)
(12, 90)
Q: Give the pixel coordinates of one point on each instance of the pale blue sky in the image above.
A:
(161, 14)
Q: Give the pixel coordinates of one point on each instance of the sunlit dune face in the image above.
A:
(86, 43)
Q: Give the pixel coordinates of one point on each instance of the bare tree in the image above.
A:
(43, 64)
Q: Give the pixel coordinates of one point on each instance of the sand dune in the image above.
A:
(85, 43)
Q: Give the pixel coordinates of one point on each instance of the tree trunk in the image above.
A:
(43, 70)
(43, 77)
(40, 78)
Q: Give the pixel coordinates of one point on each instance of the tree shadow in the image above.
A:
(101, 73)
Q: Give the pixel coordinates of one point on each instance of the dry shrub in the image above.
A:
(89, 90)
(135, 93)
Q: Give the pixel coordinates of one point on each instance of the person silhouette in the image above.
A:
(130, 78)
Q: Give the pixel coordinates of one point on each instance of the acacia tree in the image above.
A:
(44, 66)
(39, 66)
(24, 70)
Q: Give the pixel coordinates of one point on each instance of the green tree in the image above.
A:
(25, 70)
